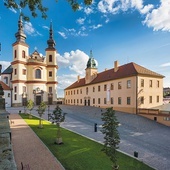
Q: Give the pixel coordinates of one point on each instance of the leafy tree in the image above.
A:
(30, 106)
(111, 138)
(37, 5)
(41, 110)
(57, 117)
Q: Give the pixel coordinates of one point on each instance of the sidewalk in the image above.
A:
(28, 148)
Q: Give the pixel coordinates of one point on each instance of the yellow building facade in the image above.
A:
(33, 76)
(126, 88)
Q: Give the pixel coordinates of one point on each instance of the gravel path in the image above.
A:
(29, 149)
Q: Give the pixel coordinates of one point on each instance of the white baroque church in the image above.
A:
(31, 76)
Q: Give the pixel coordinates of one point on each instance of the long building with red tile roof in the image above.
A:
(125, 88)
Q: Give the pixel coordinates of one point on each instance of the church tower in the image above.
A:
(51, 60)
(91, 70)
(19, 75)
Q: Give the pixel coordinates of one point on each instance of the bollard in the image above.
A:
(136, 154)
(95, 127)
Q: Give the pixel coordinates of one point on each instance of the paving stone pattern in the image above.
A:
(150, 139)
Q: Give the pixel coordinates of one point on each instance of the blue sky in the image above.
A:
(124, 30)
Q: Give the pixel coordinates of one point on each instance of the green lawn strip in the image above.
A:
(78, 152)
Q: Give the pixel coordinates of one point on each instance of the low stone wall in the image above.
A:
(6, 153)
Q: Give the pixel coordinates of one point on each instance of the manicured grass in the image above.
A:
(77, 152)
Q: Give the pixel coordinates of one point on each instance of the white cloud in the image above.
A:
(159, 19)
(165, 65)
(13, 10)
(46, 27)
(75, 61)
(96, 26)
(114, 6)
(62, 34)
(88, 10)
(30, 30)
(80, 21)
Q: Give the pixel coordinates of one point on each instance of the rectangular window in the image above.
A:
(9, 95)
(68, 92)
(111, 100)
(150, 99)
(119, 100)
(158, 83)
(93, 89)
(98, 100)
(142, 100)
(98, 88)
(87, 90)
(74, 101)
(24, 89)
(119, 85)
(50, 74)
(77, 91)
(128, 101)
(15, 97)
(50, 89)
(93, 100)
(105, 87)
(80, 91)
(15, 89)
(81, 101)
(77, 101)
(129, 84)
(74, 92)
(104, 100)
(23, 54)
(157, 99)
(24, 71)
(15, 54)
(150, 83)
(112, 87)
(15, 71)
(142, 82)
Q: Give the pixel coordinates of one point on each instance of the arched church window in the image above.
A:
(23, 54)
(38, 74)
(50, 58)
(15, 54)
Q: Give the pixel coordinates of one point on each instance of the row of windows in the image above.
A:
(99, 88)
(119, 100)
(37, 73)
(15, 54)
(128, 86)
(142, 83)
(73, 101)
(23, 55)
(24, 89)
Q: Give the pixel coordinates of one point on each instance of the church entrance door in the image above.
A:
(38, 100)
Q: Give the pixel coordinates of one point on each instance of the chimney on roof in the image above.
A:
(105, 69)
(116, 66)
(78, 78)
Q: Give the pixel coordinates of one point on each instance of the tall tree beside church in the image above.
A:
(111, 136)
(35, 6)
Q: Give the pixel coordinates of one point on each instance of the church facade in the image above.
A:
(126, 88)
(32, 76)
